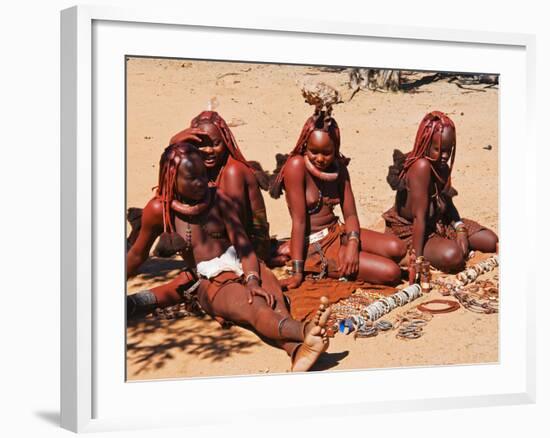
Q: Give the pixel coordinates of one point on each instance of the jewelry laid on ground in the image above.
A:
(480, 296)
(361, 311)
(426, 306)
(410, 324)
(450, 285)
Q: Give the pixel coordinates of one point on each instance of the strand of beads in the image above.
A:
(385, 305)
(355, 312)
(451, 286)
(469, 275)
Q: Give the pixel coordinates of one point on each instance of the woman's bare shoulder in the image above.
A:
(236, 172)
(420, 173)
(295, 169)
(421, 167)
(153, 212)
(296, 162)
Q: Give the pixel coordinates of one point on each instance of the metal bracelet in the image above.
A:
(458, 224)
(297, 266)
(383, 325)
(251, 275)
(354, 235)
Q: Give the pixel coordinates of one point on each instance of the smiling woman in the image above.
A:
(228, 169)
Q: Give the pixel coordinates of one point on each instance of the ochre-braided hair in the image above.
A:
(170, 161)
(430, 129)
(319, 121)
(227, 136)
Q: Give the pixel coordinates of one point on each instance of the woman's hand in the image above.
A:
(254, 290)
(188, 134)
(349, 265)
(293, 282)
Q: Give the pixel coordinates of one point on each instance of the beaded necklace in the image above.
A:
(201, 216)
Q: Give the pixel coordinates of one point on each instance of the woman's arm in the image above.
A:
(454, 216)
(461, 235)
(418, 178)
(350, 262)
(151, 228)
(295, 192)
(241, 242)
(347, 203)
(240, 184)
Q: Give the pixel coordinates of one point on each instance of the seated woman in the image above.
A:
(315, 179)
(424, 215)
(229, 170)
(232, 286)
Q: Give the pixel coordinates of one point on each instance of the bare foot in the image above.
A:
(315, 340)
(320, 318)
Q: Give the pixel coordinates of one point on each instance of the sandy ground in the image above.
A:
(265, 105)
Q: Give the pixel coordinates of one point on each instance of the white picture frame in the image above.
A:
(93, 390)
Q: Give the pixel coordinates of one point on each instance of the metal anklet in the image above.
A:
(280, 326)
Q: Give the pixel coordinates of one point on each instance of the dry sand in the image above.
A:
(265, 104)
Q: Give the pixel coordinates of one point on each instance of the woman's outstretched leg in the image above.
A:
(231, 303)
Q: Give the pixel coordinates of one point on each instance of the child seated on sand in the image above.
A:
(424, 215)
(233, 285)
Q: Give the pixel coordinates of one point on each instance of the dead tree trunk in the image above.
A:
(374, 79)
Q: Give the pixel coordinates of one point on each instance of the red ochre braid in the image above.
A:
(430, 128)
(169, 164)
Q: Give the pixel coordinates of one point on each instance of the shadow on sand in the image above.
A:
(151, 344)
(158, 269)
(329, 360)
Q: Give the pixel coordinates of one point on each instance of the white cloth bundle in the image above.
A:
(228, 261)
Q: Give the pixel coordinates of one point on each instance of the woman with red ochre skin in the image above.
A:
(315, 179)
(233, 286)
(424, 215)
(228, 169)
